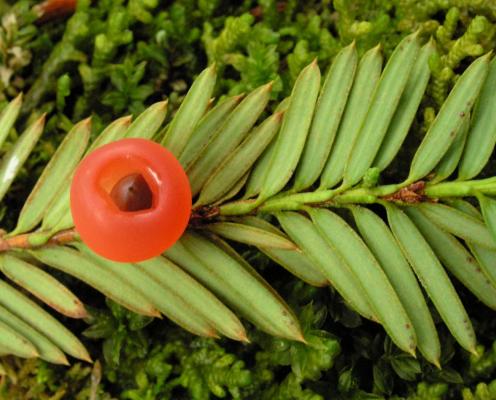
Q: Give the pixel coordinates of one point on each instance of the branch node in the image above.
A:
(203, 214)
(411, 194)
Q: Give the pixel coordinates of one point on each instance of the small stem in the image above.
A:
(294, 201)
(450, 189)
(486, 186)
(364, 196)
(241, 207)
(461, 189)
(32, 240)
(280, 205)
(65, 236)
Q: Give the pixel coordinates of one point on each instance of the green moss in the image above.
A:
(114, 57)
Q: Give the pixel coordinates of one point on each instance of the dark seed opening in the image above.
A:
(132, 193)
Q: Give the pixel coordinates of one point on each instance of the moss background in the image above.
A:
(115, 57)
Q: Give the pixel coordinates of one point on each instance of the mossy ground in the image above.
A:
(115, 57)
